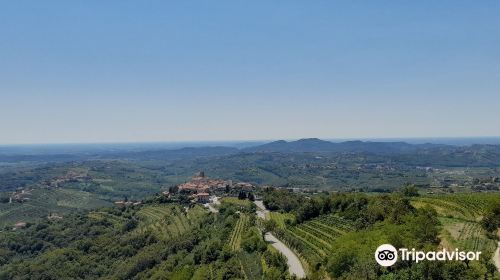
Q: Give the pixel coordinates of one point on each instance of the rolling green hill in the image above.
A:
(460, 216)
(148, 241)
(336, 234)
(45, 201)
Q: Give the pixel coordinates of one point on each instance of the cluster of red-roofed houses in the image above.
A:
(201, 187)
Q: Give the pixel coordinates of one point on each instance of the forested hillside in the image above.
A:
(336, 234)
(151, 241)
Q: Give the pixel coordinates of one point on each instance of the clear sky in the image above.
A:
(120, 71)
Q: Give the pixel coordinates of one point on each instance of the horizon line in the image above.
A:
(241, 140)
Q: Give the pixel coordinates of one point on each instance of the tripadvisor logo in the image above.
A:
(387, 255)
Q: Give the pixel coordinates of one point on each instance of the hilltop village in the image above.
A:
(200, 188)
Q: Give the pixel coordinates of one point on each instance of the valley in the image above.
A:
(271, 212)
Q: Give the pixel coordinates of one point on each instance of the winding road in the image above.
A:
(294, 265)
(261, 209)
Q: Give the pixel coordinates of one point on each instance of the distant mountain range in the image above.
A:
(315, 145)
(309, 145)
(419, 154)
(428, 154)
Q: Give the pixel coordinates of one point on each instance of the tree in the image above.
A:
(242, 195)
(253, 243)
(491, 220)
(251, 197)
(410, 191)
(425, 226)
(269, 225)
(130, 225)
(4, 198)
(173, 189)
(310, 210)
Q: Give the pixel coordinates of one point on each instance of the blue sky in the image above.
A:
(121, 71)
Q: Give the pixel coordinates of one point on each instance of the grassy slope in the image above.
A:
(169, 221)
(311, 240)
(236, 201)
(235, 241)
(163, 221)
(45, 201)
(460, 215)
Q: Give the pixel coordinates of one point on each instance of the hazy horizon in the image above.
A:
(190, 143)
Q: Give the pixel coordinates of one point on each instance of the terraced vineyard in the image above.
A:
(170, 221)
(469, 206)
(280, 218)
(101, 215)
(472, 237)
(313, 239)
(235, 240)
(460, 215)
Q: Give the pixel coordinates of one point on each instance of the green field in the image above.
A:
(280, 218)
(235, 240)
(45, 201)
(460, 215)
(312, 240)
(236, 201)
(467, 206)
(169, 221)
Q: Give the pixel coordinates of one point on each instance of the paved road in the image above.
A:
(211, 208)
(496, 257)
(261, 209)
(294, 265)
(213, 201)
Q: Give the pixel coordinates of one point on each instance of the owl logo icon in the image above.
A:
(386, 255)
